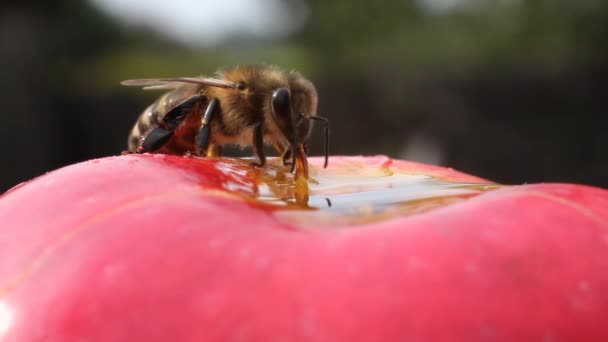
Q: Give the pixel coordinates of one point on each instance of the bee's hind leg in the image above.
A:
(154, 139)
(158, 136)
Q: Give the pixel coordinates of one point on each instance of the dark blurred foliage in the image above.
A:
(513, 91)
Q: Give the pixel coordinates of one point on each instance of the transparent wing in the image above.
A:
(176, 82)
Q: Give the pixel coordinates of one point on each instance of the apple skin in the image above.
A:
(148, 248)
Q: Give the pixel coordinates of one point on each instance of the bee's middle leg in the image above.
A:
(214, 150)
(204, 134)
(258, 145)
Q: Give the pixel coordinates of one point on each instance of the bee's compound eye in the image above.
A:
(241, 86)
(280, 102)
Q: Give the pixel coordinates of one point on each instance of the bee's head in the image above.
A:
(294, 108)
(288, 98)
(292, 99)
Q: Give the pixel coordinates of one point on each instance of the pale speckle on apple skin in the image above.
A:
(550, 336)
(261, 262)
(216, 243)
(113, 274)
(6, 318)
(240, 333)
(414, 263)
(578, 304)
(352, 270)
(90, 200)
(211, 303)
(307, 324)
(605, 239)
(244, 252)
(470, 268)
(583, 299)
(584, 286)
(49, 181)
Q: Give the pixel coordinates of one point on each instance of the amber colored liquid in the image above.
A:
(348, 195)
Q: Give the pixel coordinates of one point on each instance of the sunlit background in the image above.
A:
(511, 90)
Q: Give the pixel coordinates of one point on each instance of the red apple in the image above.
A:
(159, 248)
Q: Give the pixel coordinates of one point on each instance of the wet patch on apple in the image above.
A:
(349, 193)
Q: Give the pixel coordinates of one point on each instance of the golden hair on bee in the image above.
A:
(249, 105)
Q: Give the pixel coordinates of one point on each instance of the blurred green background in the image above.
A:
(511, 90)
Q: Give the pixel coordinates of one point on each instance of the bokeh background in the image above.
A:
(511, 90)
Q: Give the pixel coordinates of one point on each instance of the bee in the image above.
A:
(249, 105)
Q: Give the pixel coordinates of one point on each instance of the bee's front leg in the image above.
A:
(285, 153)
(204, 134)
(286, 156)
(258, 145)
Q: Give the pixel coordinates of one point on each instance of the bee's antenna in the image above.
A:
(326, 129)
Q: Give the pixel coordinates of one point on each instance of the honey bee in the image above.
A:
(248, 105)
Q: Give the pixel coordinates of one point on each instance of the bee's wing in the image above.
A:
(176, 82)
